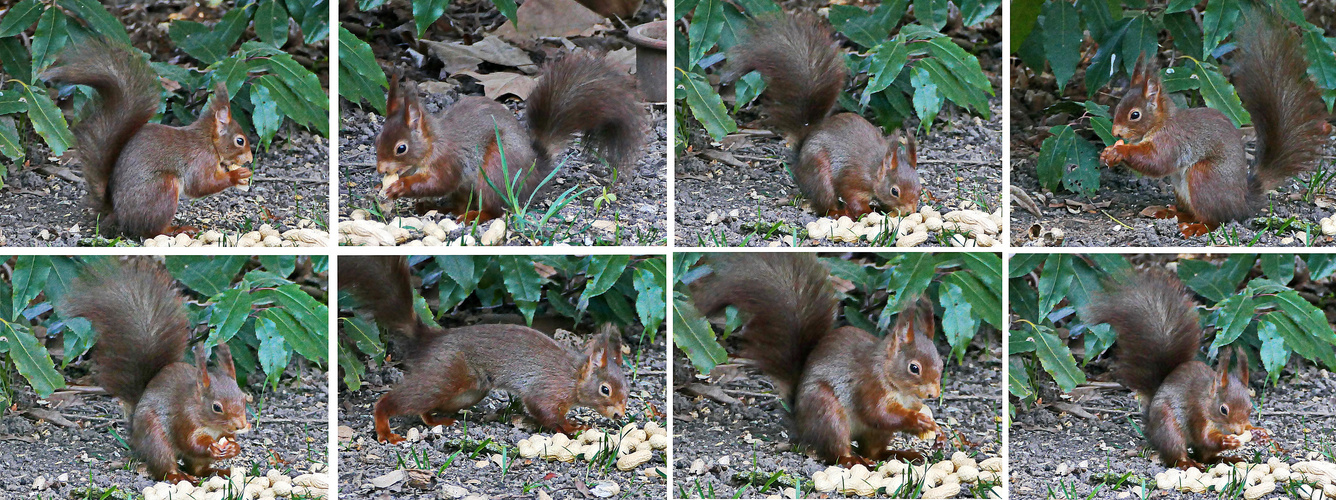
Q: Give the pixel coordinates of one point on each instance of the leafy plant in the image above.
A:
(1247, 301)
(966, 286)
(1048, 34)
(266, 85)
(620, 289)
(911, 74)
(251, 304)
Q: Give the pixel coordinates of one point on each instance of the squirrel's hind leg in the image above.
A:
(150, 441)
(1166, 434)
(146, 211)
(823, 424)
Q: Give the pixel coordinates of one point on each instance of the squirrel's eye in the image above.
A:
(895, 191)
(241, 140)
(1224, 410)
(1136, 115)
(401, 149)
(914, 368)
(607, 391)
(217, 407)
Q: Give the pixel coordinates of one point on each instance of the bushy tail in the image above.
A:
(139, 320)
(787, 300)
(129, 93)
(382, 285)
(582, 92)
(803, 72)
(1271, 77)
(1156, 324)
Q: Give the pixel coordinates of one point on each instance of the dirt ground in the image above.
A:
(364, 462)
(640, 211)
(744, 445)
(1112, 218)
(1102, 446)
(291, 183)
(292, 428)
(960, 161)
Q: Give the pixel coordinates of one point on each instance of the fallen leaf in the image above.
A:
(550, 19)
(501, 83)
(461, 57)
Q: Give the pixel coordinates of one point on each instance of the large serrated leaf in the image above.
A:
(706, 27)
(227, 314)
(1186, 33)
(884, 64)
(931, 13)
(986, 302)
(1142, 37)
(1054, 281)
(1056, 358)
(273, 353)
(1215, 283)
(693, 335)
(1219, 94)
(50, 37)
(959, 320)
(208, 275)
(604, 271)
(271, 23)
(426, 12)
(1062, 39)
(1235, 313)
(1018, 381)
(353, 368)
(1055, 153)
(973, 12)
(311, 345)
(650, 282)
(20, 17)
(705, 103)
(962, 64)
(1218, 21)
(29, 278)
(360, 77)
(10, 146)
(97, 17)
(523, 283)
(365, 336)
(31, 358)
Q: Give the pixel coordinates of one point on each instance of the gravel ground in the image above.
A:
(1102, 446)
(291, 183)
(959, 161)
(1112, 218)
(290, 433)
(739, 441)
(640, 211)
(363, 462)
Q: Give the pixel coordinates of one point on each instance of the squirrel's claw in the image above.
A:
(392, 438)
(222, 451)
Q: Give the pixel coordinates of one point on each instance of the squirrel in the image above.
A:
(449, 370)
(137, 170)
(1200, 150)
(842, 384)
(1185, 403)
(174, 410)
(841, 162)
(456, 155)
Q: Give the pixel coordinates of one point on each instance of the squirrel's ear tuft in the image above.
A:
(923, 319)
(911, 147)
(393, 101)
(1139, 71)
(225, 361)
(1222, 369)
(612, 345)
(1243, 366)
(202, 364)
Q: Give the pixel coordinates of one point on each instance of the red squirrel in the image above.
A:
(175, 410)
(1185, 404)
(456, 155)
(842, 384)
(1200, 150)
(136, 171)
(449, 370)
(841, 162)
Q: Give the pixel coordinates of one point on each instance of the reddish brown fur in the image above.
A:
(136, 170)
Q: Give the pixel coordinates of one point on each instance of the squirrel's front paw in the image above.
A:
(221, 450)
(240, 174)
(1230, 441)
(1112, 155)
(396, 189)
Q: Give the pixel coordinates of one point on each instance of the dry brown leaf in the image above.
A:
(496, 85)
(461, 57)
(551, 19)
(623, 58)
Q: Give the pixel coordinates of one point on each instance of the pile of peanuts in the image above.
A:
(971, 228)
(430, 230)
(240, 486)
(634, 446)
(303, 236)
(940, 480)
(1318, 479)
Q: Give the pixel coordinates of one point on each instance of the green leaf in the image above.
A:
(1101, 65)
(1054, 281)
(931, 13)
(682, 7)
(1215, 283)
(1022, 263)
(1056, 359)
(952, 88)
(758, 7)
(360, 77)
(50, 37)
(1024, 20)
(1279, 267)
(311, 345)
(97, 17)
(48, 121)
(273, 353)
(304, 85)
(692, 334)
(426, 12)
(29, 278)
(299, 108)
(10, 146)
(973, 12)
(1218, 22)
(1055, 154)
(16, 59)
(958, 320)
(650, 283)
(1062, 39)
(1235, 313)
(264, 115)
(1219, 94)
(706, 27)
(1142, 38)
(313, 17)
(962, 64)
(864, 28)
(211, 45)
(705, 103)
(909, 279)
(1296, 338)
(227, 314)
(604, 271)
(507, 8)
(885, 62)
(986, 302)
(271, 23)
(20, 17)
(1186, 33)
(1321, 58)
(1098, 338)
(523, 283)
(748, 88)
(208, 275)
(31, 358)
(78, 339)
(926, 101)
(1180, 5)
(1084, 285)
(282, 265)
(311, 319)
(1018, 381)
(1273, 352)
(366, 336)
(1321, 265)
(353, 369)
